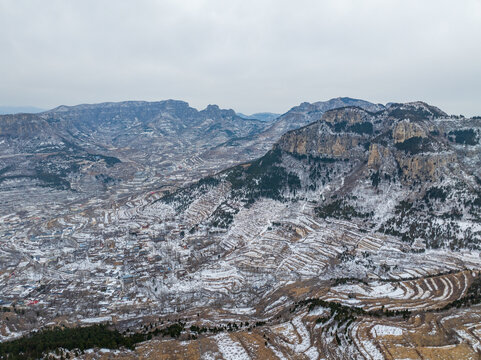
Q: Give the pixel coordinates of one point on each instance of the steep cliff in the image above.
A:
(408, 171)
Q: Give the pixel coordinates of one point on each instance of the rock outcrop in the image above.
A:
(405, 130)
(404, 139)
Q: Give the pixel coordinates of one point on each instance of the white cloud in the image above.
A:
(249, 55)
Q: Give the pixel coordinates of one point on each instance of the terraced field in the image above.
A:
(210, 260)
(420, 294)
(453, 334)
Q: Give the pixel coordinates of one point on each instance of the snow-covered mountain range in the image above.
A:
(341, 229)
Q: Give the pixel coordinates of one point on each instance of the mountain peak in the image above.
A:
(212, 107)
(417, 110)
(214, 110)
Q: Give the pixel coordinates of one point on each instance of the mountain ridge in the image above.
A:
(412, 147)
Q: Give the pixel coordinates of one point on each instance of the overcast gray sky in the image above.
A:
(261, 55)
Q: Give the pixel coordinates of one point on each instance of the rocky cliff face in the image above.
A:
(23, 126)
(349, 115)
(321, 140)
(402, 136)
(408, 170)
(405, 130)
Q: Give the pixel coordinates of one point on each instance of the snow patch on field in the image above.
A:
(10, 335)
(305, 340)
(241, 311)
(312, 353)
(278, 302)
(319, 311)
(371, 351)
(96, 320)
(386, 290)
(384, 330)
(230, 349)
(374, 290)
(279, 354)
(208, 356)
